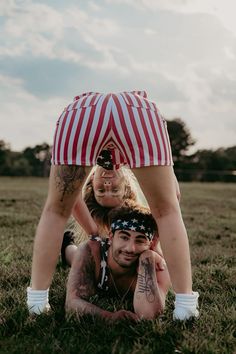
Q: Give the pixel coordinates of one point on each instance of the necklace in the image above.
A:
(117, 291)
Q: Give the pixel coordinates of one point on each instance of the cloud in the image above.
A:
(223, 10)
(27, 119)
(44, 31)
(180, 51)
(209, 110)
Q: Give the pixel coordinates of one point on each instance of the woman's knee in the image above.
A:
(165, 208)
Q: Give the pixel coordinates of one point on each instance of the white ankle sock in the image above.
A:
(186, 306)
(37, 301)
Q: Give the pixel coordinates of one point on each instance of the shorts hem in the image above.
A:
(157, 163)
(73, 163)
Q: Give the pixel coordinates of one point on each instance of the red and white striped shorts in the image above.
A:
(126, 123)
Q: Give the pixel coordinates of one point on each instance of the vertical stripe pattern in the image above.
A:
(127, 123)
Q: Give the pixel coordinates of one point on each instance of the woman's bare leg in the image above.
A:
(158, 185)
(65, 182)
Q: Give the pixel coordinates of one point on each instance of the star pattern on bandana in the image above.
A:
(133, 225)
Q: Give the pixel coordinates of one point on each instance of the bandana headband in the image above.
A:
(137, 225)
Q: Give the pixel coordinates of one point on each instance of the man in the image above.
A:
(122, 265)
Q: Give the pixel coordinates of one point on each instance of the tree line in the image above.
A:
(203, 165)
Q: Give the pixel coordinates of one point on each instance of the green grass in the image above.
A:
(209, 212)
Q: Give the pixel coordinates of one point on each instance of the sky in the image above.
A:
(182, 52)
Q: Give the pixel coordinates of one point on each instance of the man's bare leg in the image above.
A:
(64, 185)
(158, 185)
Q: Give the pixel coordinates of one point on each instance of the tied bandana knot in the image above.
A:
(138, 225)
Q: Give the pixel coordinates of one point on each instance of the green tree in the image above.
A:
(20, 165)
(5, 158)
(220, 159)
(215, 165)
(38, 159)
(181, 140)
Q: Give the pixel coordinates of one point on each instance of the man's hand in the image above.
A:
(160, 262)
(158, 259)
(122, 315)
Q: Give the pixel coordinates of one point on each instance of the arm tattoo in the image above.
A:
(84, 282)
(145, 282)
(67, 178)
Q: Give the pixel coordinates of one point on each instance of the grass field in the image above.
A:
(209, 212)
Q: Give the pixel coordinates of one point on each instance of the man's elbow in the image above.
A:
(150, 313)
(69, 305)
(75, 305)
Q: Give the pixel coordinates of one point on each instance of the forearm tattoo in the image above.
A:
(84, 277)
(67, 178)
(146, 280)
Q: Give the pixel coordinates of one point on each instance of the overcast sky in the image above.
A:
(183, 52)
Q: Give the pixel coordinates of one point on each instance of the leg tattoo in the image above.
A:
(67, 178)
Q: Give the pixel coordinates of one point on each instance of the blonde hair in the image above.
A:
(132, 193)
(97, 211)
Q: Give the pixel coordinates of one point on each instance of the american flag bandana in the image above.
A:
(138, 225)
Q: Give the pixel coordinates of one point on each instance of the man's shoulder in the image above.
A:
(89, 247)
(88, 257)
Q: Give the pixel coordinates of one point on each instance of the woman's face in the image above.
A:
(109, 187)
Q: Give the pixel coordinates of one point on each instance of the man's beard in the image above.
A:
(123, 264)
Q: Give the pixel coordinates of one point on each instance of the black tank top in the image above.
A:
(104, 270)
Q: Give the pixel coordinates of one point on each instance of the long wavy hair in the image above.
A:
(99, 212)
(133, 193)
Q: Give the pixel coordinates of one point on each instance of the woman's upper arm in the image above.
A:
(83, 217)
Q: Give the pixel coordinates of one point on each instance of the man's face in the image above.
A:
(126, 247)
